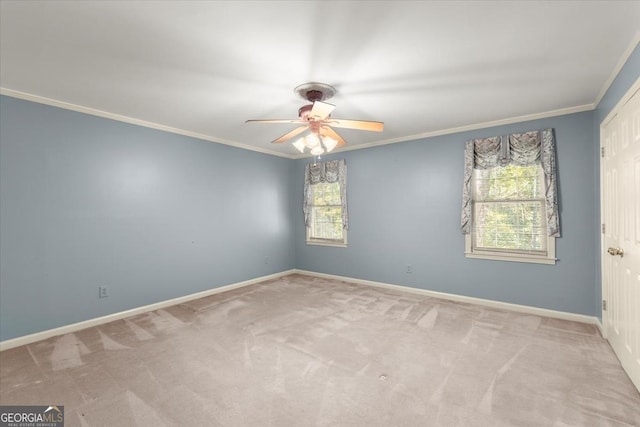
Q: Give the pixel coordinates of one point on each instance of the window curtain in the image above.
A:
(329, 171)
(522, 149)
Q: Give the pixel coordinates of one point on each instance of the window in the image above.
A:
(326, 215)
(325, 203)
(509, 209)
(509, 214)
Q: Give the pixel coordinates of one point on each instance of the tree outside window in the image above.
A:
(326, 212)
(509, 209)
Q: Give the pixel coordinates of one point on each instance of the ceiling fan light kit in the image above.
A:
(316, 118)
(315, 144)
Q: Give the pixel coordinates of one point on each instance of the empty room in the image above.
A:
(320, 213)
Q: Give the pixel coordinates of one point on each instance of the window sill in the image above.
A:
(326, 243)
(512, 258)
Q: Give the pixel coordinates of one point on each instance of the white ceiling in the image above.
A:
(423, 68)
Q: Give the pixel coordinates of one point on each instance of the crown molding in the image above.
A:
(117, 117)
(131, 120)
(623, 60)
(460, 129)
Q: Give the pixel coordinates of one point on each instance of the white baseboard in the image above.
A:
(38, 336)
(600, 327)
(471, 300)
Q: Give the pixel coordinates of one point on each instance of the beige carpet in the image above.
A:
(303, 351)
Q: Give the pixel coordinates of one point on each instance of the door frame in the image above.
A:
(612, 114)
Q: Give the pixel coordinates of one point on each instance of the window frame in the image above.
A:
(506, 254)
(549, 258)
(311, 240)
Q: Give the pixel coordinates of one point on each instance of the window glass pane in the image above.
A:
(326, 212)
(326, 194)
(508, 183)
(516, 226)
(326, 223)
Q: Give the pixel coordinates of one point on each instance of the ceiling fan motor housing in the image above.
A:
(315, 91)
(315, 95)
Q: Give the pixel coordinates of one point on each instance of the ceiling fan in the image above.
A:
(316, 117)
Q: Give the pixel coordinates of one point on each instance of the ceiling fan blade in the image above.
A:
(321, 110)
(327, 131)
(269, 121)
(356, 124)
(289, 135)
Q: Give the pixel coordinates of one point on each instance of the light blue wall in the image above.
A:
(423, 179)
(404, 208)
(621, 84)
(86, 201)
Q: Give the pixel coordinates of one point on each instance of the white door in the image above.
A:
(620, 196)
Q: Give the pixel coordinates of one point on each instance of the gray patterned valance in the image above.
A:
(329, 171)
(521, 149)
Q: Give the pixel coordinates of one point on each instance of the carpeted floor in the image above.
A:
(304, 351)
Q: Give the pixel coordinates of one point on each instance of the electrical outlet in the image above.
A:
(409, 268)
(103, 292)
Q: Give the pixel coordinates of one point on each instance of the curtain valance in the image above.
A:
(522, 149)
(329, 171)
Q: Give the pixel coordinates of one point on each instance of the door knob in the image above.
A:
(616, 251)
